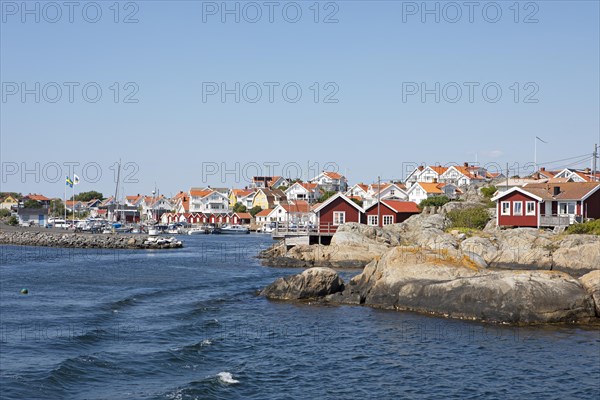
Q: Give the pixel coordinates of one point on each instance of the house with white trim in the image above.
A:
(548, 204)
(303, 191)
(331, 181)
(208, 201)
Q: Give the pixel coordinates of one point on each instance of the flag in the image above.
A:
(543, 141)
(75, 179)
(69, 182)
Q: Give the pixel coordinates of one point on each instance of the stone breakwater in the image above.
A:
(86, 241)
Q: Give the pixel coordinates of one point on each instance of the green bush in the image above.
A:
(488, 191)
(474, 218)
(13, 221)
(436, 201)
(239, 207)
(4, 213)
(589, 228)
(255, 210)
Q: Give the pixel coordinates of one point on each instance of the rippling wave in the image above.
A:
(187, 324)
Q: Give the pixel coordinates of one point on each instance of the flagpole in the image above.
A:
(65, 203)
(535, 154)
(73, 203)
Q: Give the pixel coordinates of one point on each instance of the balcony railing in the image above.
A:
(555, 220)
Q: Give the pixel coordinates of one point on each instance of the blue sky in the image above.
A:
(371, 61)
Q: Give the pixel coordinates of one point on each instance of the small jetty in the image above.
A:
(87, 240)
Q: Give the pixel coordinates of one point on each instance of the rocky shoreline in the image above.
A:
(517, 276)
(86, 240)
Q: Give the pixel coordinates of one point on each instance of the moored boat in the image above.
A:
(234, 229)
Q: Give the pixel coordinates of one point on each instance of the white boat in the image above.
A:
(234, 229)
(268, 227)
(153, 231)
(196, 231)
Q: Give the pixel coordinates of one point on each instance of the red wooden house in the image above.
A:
(548, 204)
(240, 218)
(337, 210)
(391, 212)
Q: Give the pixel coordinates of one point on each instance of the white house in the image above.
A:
(463, 175)
(578, 175)
(389, 191)
(358, 190)
(154, 207)
(331, 181)
(263, 216)
(421, 191)
(208, 201)
(303, 191)
(297, 213)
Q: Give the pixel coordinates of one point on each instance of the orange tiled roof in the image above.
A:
(37, 197)
(241, 192)
(243, 215)
(332, 175)
(402, 206)
(200, 192)
(308, 185)
(264, 212)
(431, 187)
(438, 169)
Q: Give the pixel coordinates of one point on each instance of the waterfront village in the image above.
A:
(544, 199)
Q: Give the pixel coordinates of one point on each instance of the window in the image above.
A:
(339, 217)
(388, 219)
(566, 208)
(530, 208)
(505, 208)
(517, 208)
(392, 192)
(372, 220)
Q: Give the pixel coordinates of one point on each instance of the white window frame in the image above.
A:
(388, 220)
(372, 220)
(567, 204)
(527, 212)
(502, 211)
(336, 217)
(520, 213)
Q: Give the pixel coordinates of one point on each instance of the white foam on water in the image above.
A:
(206, 342)
(226, 377)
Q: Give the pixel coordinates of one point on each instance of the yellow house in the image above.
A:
(236, 194)
(8, 203)
(268, 198)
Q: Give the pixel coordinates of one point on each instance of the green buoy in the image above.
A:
(24, 291)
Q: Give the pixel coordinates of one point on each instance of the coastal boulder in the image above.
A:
(311, 284)
(577, 254)
(353, 233)
(591, 283)
(449, 283)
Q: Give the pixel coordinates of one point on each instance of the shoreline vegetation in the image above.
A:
(429, 265)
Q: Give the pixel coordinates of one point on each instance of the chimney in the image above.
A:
(556, 190)
(466, 164)
(435, 180)
(587, 171)
(542, 168)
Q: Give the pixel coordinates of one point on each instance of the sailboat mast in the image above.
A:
(117, 191)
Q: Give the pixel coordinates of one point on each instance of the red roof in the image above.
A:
(264, 212)
(332, 175)
(37, 197)
(200, 192)
(402, 206)
(243, 215)
(438, 169)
